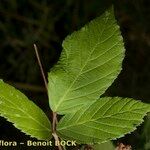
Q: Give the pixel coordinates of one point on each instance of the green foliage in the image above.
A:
(24, 114)
(90, 61)
(145, 134)
(104, 146)
(103, 120)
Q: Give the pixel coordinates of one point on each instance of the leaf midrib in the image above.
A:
(102, 117)
(61, 100)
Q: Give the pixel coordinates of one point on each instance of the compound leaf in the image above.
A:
(23, 113)
(90, 61)
(103, 120)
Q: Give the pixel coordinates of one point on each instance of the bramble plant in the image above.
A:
(90, 61)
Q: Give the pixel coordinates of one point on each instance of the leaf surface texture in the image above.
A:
(23, 113)
(90, 61)
(103, 120)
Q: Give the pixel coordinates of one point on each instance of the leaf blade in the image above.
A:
(103, 120)
(90, 61)
(23, 113)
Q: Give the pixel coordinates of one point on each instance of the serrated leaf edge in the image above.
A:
(26, 133)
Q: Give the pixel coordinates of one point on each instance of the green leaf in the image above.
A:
(23, 113)
(145, 135)
(90, 61)
(103, 120)
(146, 129)
(104, 146)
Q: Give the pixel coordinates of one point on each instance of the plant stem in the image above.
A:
(54, 129)
(54, 123)
(40, 65)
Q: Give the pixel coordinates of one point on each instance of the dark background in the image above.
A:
(47, 23)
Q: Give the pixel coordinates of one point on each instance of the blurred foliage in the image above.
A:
(145, 135)
(43, 22)
(104, 146)
(47, 23)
